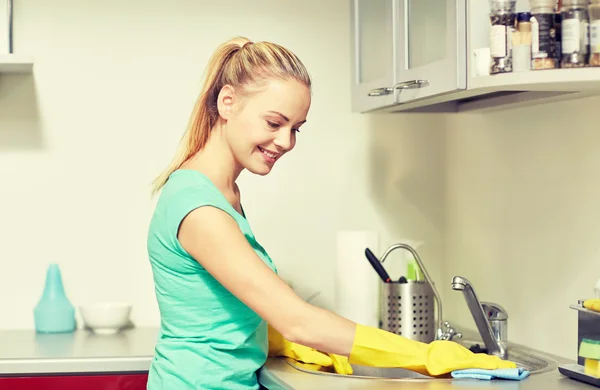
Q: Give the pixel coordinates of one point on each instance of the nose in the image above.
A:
(285, 140)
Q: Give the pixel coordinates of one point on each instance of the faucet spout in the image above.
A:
(460, 283)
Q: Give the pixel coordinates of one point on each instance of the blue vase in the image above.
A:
(54, 313)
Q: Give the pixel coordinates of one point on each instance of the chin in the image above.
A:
(261, 170)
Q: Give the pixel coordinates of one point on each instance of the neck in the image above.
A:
(216, 161)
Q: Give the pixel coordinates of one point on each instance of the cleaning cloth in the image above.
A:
(516, 374)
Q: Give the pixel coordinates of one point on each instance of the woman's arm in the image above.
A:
(214, 239)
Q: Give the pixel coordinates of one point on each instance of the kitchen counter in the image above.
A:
(278, 375)
(27, 352)
(23, 352)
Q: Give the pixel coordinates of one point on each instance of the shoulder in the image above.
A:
(185, 191)
(186, 186)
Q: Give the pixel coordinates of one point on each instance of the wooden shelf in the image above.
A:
(15, 63)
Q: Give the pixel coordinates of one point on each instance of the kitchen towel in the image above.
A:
(357, 286)
(503, 373)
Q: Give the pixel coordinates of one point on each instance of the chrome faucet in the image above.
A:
(444, 330)
(490, 318)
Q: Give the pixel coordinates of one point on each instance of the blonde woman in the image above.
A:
(216, 286)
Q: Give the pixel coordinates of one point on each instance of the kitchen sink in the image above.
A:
(528, 359)
(531, 360)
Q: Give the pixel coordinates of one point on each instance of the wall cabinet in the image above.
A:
(405, 50)
(373, 60)
(419, 56)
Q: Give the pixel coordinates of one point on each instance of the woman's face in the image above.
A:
(262, 127)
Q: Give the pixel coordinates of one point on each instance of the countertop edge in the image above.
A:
(75, 366)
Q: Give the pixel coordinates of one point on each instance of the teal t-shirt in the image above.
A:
(208, 338)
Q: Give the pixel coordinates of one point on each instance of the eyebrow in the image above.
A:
(285, 118)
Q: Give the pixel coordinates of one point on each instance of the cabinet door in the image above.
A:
(431, 56)
(373, 53)
(76, 381)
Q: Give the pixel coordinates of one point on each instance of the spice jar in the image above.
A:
(521, 43)
(557, 38)
(575, 33)
(594, 11)
(543, 41)
(502, 18)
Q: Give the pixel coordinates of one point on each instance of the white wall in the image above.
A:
(499, 198)
(523, 216)
(113, 86)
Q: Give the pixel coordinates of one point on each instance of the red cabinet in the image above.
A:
(76, 382)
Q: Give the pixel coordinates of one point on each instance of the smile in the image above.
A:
(270, 156)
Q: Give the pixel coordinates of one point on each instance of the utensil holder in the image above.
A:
(408, 310)
(406, 307)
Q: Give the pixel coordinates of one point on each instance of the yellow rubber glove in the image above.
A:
(341, 364)
(280, 347)
(378, 348)
(592, 304)
(446, 356)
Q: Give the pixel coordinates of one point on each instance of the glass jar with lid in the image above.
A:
(594, 12)
(502, 19)
(543, 35)
(575, 34)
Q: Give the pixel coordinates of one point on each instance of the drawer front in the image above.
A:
(76, 382)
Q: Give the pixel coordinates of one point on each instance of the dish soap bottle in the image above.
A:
(54, 313)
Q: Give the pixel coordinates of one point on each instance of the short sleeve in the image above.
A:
(182, 202)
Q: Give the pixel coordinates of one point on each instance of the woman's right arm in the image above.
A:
(213, 238)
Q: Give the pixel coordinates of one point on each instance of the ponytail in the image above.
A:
(252, 61)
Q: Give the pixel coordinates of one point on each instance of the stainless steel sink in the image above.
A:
(360, 371)
(531, 360)
(528, 359)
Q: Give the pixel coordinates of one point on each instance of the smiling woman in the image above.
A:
(216, 286)
(214, 283)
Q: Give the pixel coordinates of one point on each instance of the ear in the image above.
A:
(225, 101)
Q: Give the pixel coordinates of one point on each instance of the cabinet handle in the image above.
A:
(412, 84)
(403, 85)
(381, 91)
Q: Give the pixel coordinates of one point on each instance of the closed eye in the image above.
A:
(273, 125)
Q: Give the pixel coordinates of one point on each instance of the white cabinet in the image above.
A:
(431, 48)
(419, 55)
(404, 50)
(373, 48)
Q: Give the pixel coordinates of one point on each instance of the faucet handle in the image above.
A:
(498, 320)
(449, 333)
(494, 311)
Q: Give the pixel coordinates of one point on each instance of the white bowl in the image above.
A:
(106, 317)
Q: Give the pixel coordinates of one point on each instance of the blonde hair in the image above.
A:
(240, 63)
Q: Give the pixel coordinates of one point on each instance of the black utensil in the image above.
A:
(402, 280)
(377, 265)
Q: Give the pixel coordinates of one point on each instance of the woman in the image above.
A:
(216, 286)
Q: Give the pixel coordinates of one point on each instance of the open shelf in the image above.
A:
(541, 80)
(511, 90)
(15, 63)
